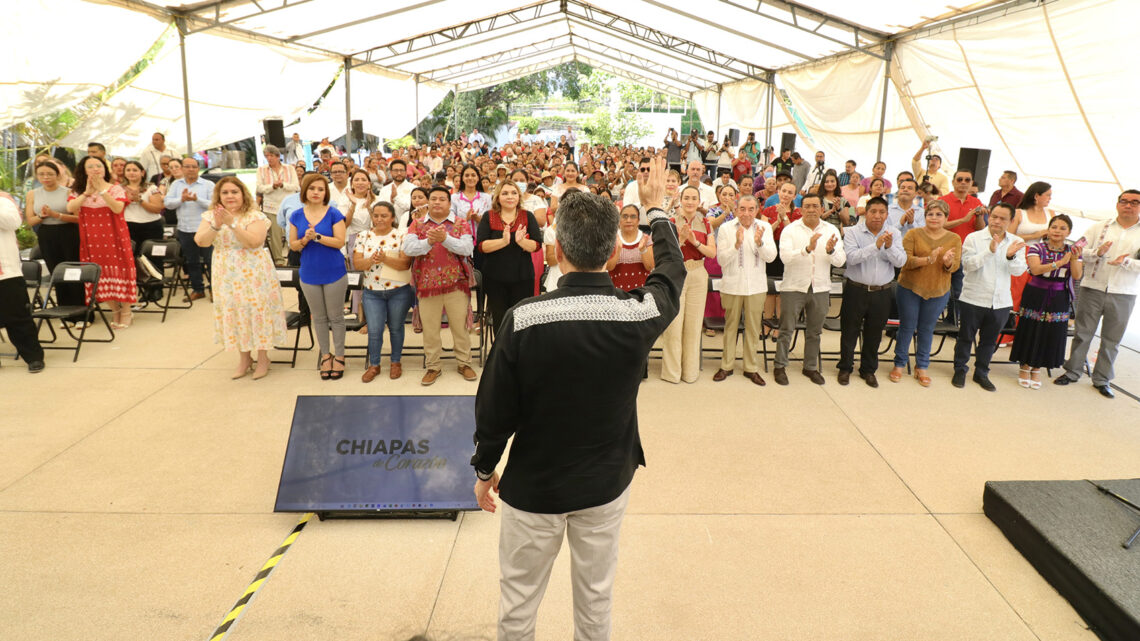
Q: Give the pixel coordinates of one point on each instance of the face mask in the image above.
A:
(769, 174)
(522, 187)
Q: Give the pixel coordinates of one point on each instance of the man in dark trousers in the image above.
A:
(562, 378)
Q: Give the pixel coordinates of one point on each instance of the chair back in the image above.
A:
(289, 276)
(355, 280)
(77, 273)
(166, 250)
(33, 273)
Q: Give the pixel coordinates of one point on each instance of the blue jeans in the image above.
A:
(389, 307)
(916, 315)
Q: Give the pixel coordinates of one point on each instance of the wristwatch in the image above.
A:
(484, 476)
(317, 237)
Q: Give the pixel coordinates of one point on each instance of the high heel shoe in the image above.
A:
(326, 374)
(895, 375)
(335, 374)
(1035, 378)
(261, 372)
(1023, 374)
(922, 378)
(244, 372)
(126, 319)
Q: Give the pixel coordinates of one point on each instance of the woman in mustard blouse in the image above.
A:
(932, 254)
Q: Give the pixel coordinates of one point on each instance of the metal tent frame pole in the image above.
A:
(886, 87)
(181, 24)
(455, 112)
(718, 90)
(348, 141)
(771, 104)
(417, 108)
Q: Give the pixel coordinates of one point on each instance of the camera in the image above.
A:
(930, 139)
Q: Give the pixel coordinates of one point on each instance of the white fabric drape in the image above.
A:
(41, 73)
(234, 85)
(743, 106)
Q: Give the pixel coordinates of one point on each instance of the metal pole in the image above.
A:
(348, 107)
(771, 104)
(417, 107)
(886, 87)
(718, 87)
(455, 112)
(181, 24)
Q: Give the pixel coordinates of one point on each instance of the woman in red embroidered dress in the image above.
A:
(103, 236)
(681, 351)
(633, 260)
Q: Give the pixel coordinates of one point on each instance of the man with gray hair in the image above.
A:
(562, 378)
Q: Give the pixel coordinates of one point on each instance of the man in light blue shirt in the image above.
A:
(190, 197)
(906, 212)
(290, 204)
(874, 251)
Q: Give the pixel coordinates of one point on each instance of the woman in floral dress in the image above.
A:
(249, 314)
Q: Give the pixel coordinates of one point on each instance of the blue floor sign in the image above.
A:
(378, 453)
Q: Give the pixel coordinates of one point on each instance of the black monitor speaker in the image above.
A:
(978, 162)
(734, 137)
(358, 132)
(275, 132)
(787, 141)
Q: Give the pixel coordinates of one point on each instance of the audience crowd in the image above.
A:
(769, 242)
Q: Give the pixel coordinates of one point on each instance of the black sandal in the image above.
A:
(334, 374)
(326, 374)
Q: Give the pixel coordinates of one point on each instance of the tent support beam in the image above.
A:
(417, 108)
(796, 10)
(886, 87)
(719, 88)
(771, 104)
(455, 111)
(181, 24)
(348, 105)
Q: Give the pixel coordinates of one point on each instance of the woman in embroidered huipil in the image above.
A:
(1043, 323)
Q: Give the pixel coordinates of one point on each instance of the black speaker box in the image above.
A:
(357, 133)
(787, 141)
(275, 133)
(977, 161)
(734, 137)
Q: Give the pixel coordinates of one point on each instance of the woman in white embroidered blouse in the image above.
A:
(388, 293)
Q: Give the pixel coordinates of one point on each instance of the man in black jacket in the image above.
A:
(562, 378)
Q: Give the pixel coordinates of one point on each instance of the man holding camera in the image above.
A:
(931, 174)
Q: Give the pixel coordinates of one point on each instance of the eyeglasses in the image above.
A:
(644, 170)
(963, 180)
(1128, 202)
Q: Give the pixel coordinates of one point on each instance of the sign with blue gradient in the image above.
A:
(379, 453)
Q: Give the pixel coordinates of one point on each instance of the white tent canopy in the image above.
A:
(1040, 82)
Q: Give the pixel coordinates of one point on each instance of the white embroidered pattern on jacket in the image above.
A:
(585, 308)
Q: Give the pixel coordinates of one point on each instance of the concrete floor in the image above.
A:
(137, 488)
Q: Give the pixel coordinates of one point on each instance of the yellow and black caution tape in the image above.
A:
(259, 580)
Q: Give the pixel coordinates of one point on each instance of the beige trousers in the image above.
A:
(528, 545)
(431, 315)
(681, 342)
(753, 307)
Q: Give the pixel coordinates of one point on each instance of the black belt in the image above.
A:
(869, 288)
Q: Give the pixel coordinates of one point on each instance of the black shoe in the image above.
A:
(984, 381)
(36, 367)
(1063, 379)
(779, 375)
(959, 379)
(844, 377)
(1104, 390)
(870, 379)
(815, 376)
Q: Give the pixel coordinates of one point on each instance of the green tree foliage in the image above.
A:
(621, 128)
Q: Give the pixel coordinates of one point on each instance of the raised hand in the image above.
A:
(882, 240)
(310, 234)
(739, 236)
(520, 234)
(1119, 260)
(831, 243)
(758, 235)
(1103, 249)
(948, 258)
(888, 240)
(1014, 248)
(814, 239)
(507, 235)
(936, 254)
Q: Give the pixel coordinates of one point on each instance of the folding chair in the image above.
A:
(166, 256)
(482, 317)
(33, 278)
(290, 277)
(81, 273)
(352, 325)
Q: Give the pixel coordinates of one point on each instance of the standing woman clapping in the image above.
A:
(58, 231)
(682, 339)
(249, 314)
(103, 236)
(144, 209)
(317, 232)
